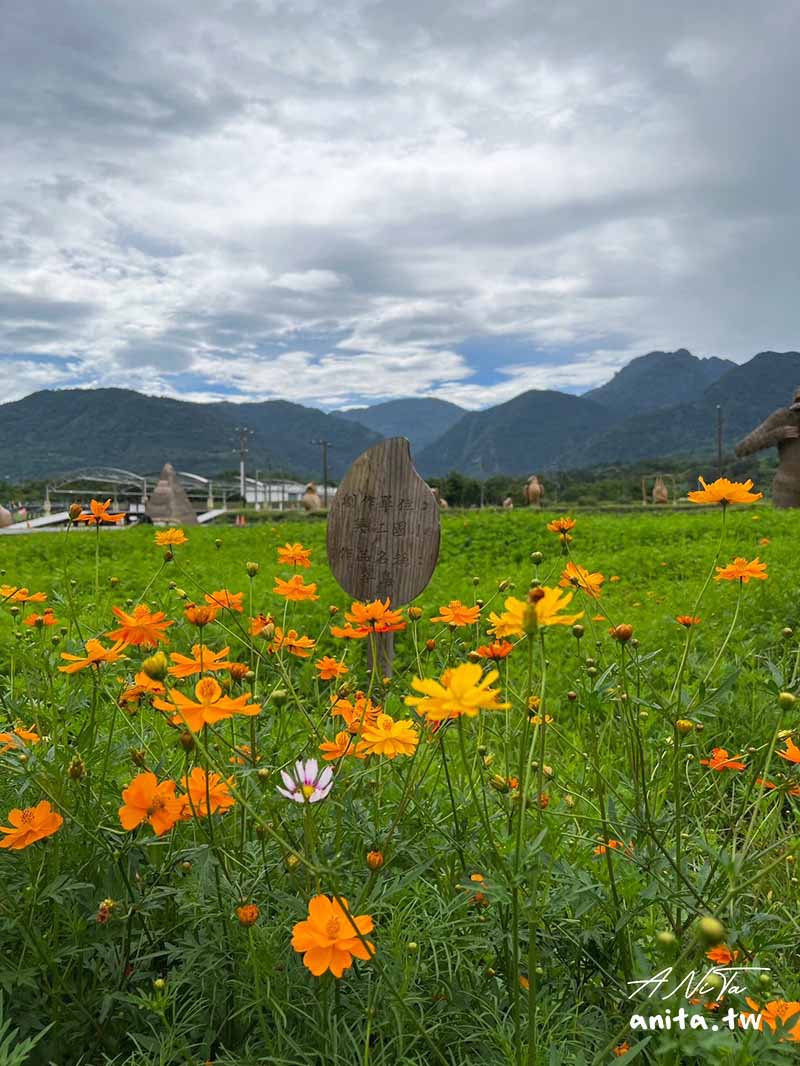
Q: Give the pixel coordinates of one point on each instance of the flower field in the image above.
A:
(226, 837)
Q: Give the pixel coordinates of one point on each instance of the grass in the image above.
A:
(529, 964)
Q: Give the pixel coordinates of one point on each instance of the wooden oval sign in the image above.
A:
(383, 526)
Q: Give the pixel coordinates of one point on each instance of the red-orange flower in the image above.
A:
(292, 642)
(376, 616)
(722, 955)
(720, 760)
(16, 594)
(29, 825)
(95, 654)
(200, 615)
(561, 525)
(143, 685)
(328, 940)
(39, 620)
(457, 614)
(578, 577)
(330, 668)
(18, 738)
(145, 800)
(778, 1013)
(294, 555)
(498, 649)
(792, 752)
(223, 598)
(98, 514)
(209, 707)
(741, 570)
(248, 914)
(202, 660)
(143, 627)
(295, 589)
(260, 623)
(202, 790)
(356, 714)
(687, 620)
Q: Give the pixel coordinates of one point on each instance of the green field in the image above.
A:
(529, 964)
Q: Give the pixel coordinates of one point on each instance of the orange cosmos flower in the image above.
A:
(201, 791)
(725, 492)
(561, 525)
(349, 632)
(210, 706)
(239, 671)
(260, 623)
(376, 616)
(18, 738)
(622, 1049)
(343, 744)
(456, 614)
(291, 642)
(792, 753)
(171, 538)
(330, 668)
(140, 628)
(294, 555)
(580, 578)
(327, 939)
(202, 660)
(143, 685)
(98, 514)
(145, 800)
(720, 760)
(722, 955)
(461, 691)
(21, 595)
(39, 620)
(29, 825)
(200, 614)
(764, 541)
(95, 654)
(357, 714)
(295, 589)
(777, 1014)
(613, 845)
(762, 781)
(384, 736)
(741, 570)
(224, 598)
(499, 649)
(687, 620)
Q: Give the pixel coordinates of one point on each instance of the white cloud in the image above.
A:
(323, 201)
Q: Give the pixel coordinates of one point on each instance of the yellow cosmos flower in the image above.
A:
(461, 691)
(741, 570)
(579, 577)
(725, 492)
(516, 620)
(384, 736)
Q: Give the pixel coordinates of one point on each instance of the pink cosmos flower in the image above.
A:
(306, 784)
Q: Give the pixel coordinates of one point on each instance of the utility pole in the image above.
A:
(719, 440)
(324, 444)
(244, 435)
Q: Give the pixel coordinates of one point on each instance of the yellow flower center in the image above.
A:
(156, 804)
(28, 817)
(308, 790)
(332, 928)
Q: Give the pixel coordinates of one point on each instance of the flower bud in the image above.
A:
(476, 581)
(113, 582)
(138, 757)
(169, 555)
(711, 930)
(247, 914)
(77, 768)
(787, 632)
(622, 633)
(504, 585)
(75, 511)
(55, 640)
(415, 613)
(572, 696)
(578, 631)
(187, 740)
(537, 558)
(499, 783)
(292, 862)
(412, 947)
(252, 569)
(666, 939)
(430, 644)
(263, 774)
(159, 984)
(155, 666)
(217, 543)
(684, 726)
(786, 699)
(186, 866)
(333, 609)
(375, 860)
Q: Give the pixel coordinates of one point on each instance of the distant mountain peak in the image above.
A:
(658, 380)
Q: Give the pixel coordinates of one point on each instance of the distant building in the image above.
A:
(279, 495)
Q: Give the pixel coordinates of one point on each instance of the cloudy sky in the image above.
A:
(343, 202)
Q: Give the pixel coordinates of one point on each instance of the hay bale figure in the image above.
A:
(508, 504)
(782, 431)
(169, 505)
(660, 494)
(311, 498)
(533, 492)
(5, 518)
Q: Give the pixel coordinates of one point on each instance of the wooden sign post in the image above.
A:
(383, 531)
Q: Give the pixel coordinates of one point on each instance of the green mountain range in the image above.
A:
(661, 405)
